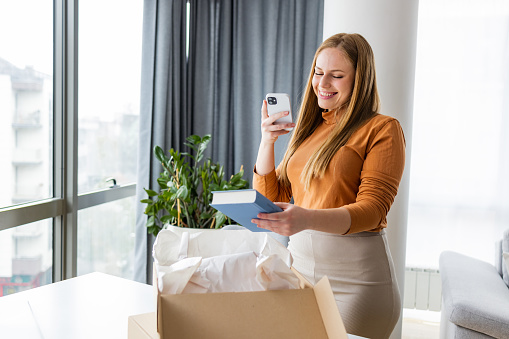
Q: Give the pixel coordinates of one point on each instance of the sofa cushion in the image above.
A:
(474, 295)
(450, 330)
(465, 333)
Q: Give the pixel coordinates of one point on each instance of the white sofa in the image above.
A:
(475, 297)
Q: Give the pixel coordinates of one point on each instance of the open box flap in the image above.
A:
(329, 310)
(303, 282)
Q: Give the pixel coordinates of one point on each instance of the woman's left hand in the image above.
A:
(292, 220)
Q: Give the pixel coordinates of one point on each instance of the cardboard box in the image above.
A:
(308, 312)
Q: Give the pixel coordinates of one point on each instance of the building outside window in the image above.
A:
(26, 127)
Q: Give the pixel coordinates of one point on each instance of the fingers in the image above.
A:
(290, 221)
(270, 216)
(275, 216)
(277, 116)
(267, 219)
(270, 122)
(267, 224)
(271, 130)
(265, 114)
(274, 226)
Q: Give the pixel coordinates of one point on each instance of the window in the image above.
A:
(26, 94)
(106, 238)
(26, 137)
(26, 257)
(109, 92)
(67, 165)
(108, 111)
(460, 154)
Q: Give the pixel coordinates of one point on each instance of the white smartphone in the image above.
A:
(279, 102)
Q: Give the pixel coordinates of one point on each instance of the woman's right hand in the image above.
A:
(270, 131)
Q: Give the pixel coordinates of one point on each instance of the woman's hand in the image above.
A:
(292, 220)
(270, 131)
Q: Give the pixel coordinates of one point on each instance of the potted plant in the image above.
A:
(185, 189)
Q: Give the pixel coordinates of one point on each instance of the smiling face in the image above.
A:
(333, 78)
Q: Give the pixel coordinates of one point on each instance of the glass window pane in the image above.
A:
(26, 94)
(106, 238)
(109, 91)
(458, 175)
(26, 257)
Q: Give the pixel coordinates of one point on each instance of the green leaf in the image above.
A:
(194, 139)
(159, 153)
(220, 173)
(236, 177)
(151, 221)
(240, 185)
(191, 144)
(220, 219)
(182, 192)
(146, 201)
(154, 230)
(205, 180)
(205, 215)
(166, 218)
(149, 209)
(162, 182)
(150, 192)
(214, 187)
(184, 181)
(187, 154)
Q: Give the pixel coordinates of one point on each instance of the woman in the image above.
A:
(342, 168)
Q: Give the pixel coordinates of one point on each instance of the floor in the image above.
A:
(420, 324)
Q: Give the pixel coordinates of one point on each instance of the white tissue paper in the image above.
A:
(221, 261)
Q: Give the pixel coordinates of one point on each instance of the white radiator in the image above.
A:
(423, 289)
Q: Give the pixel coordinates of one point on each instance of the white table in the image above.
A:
(94, 305)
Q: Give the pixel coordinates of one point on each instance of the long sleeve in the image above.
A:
(269, 186)
(380, 177)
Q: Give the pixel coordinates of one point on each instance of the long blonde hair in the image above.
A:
(363, 104)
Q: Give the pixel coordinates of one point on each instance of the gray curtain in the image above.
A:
(239, 50)
(163, 106)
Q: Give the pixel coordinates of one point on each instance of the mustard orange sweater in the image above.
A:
(363, 176)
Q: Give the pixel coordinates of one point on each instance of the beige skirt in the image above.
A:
(361, 272)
